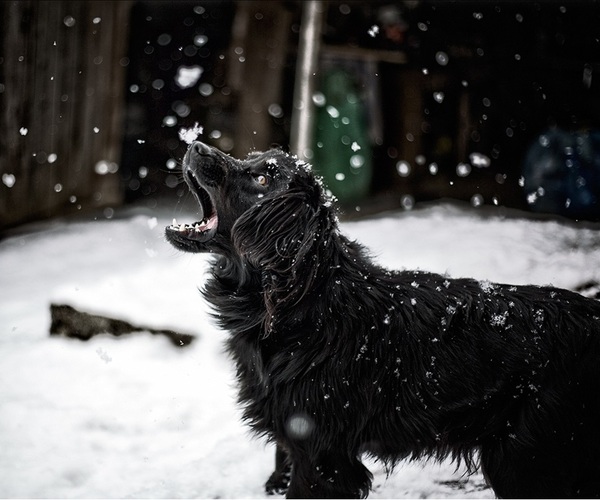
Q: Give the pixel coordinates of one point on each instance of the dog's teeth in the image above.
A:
(174, 222)
(182, 227)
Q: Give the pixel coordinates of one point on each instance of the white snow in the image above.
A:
(479, 160)
(189, 135)
(135, 417)
(9, 180)
(373, 30)
(188, 76)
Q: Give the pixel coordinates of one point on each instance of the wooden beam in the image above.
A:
(302, 128)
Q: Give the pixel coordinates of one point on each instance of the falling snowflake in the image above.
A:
(188, 76)
(479, 160)
(152, 222)
(189, 135)
(8, 180)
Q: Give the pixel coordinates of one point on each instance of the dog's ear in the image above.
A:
(286, 236)
(281, 230)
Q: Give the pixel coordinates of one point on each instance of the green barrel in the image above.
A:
(342, 150)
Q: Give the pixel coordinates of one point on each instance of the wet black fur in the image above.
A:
(337, 356)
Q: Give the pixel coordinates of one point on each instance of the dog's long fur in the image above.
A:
(337, 356)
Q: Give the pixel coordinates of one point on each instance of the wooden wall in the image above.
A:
(259, 45)
(62, 70)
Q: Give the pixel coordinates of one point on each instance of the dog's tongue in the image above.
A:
(211, 222)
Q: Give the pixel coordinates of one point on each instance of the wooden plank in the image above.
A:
(18, 35)
(257, 59)
(62, 77)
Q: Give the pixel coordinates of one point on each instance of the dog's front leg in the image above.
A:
(279, 481)
(329, 476)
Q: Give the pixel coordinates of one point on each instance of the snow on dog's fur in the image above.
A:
(337, 356)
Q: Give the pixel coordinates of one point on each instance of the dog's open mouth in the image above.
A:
(197, 231)
(202, 230)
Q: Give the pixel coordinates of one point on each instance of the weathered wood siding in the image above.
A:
(260, 41)
(61, 106)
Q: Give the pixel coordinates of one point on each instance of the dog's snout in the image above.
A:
(199, 148)
(198, 153)
(204, 163)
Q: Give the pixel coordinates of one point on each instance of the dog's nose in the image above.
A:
(206, 162)
(199, 148)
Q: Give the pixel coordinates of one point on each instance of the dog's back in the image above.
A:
(510, 372)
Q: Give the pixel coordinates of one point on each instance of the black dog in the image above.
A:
(337, 356)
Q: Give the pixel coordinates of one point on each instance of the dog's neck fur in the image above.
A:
(266, 296)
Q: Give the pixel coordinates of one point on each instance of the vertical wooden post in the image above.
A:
(304, 86)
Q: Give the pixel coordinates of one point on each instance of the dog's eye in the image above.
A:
(261, 179)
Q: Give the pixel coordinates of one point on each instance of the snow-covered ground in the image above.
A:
(137, 417)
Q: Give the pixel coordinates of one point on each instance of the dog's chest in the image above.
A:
(241, 313)
(260, 353)
(260, 359)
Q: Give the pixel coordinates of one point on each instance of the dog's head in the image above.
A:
(267, 208)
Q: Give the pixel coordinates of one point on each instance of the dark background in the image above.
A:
(492, 103)
(519, 68)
